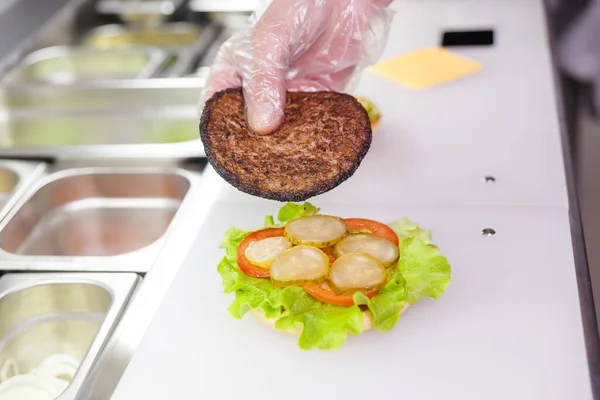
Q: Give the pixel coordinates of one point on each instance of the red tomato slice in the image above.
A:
(376, 228)
(324, 293)
(242, 261)
(329, 252)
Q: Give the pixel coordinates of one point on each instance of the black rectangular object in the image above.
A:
(468, 38)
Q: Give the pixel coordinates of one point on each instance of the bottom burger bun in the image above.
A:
(260, 316)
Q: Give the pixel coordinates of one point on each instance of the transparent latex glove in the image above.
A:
(299, 45)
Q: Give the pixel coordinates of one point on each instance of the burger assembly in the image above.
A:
(315, 275)
(323, 277)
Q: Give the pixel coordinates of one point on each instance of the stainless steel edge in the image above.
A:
(120, 286)
(126, 339)
(156, 58)
(141, 125)
(20, 23)
(120, 7)
(111, 85)
(187, 56)
(223, 5)
(27, 173)
(140, 260)
(30, 23)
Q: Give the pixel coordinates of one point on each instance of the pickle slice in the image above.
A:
(299, 265)
(380, 248)
(356, 272)
(262, 252)
(316, 230)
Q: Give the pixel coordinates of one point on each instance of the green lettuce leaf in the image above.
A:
(387, 304)
(291, 211)
(426, 271)
(405, 228)
(231, 241)
(249, 292)
(323, 325)
(269, 221)
(421, 272)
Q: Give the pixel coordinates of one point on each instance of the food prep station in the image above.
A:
(99, 158)
(110, 218)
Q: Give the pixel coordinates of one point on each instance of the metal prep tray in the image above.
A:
(183, 42)
(149, 118)
(111, 95)
(151, 134)
(138, 7)
(15, 178)
(94, 219)
(175, 34)
(73, 314)
(224, 5)
(208, 58)
(68, 65)
(123, 128)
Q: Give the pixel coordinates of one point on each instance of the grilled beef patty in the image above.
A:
(322, 141)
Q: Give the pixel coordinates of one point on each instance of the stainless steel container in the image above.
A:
(46, 132)
(124, 119)
(184, 42)
(230, 14)
(231, 20)
(94, 219)
(66, 65)
(59, 314)
(208, 58)
(138, 7)
(224, 5)
(113, 95)
(176, 34)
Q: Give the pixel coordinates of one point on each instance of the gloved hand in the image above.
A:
(299, 45)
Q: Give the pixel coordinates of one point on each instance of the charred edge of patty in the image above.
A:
(297, 196)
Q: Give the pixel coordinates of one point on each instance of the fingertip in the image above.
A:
(264, 123)
(265, 101)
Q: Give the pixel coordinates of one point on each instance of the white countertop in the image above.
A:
(509, 325)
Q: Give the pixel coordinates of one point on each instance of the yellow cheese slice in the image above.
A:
(425, 68)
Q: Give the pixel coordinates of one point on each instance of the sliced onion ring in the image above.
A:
(300, 265)
(356, 272)
(384, 250)
(316, 230)
(262, 252)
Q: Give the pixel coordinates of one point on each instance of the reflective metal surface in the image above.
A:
(105, 218)
(230, 20)
(128, 335)
(98, 129)
(184, 42)
(79, 19)
(15, 178)
(207, 60)
(146, 118)
(113, 96)
(224, 5)
(69, 65)
(167, 35)
(120, 196)
(72, 314)
(138, 7)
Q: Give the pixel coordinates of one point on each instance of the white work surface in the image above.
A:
(509, 325)
(436, 146)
